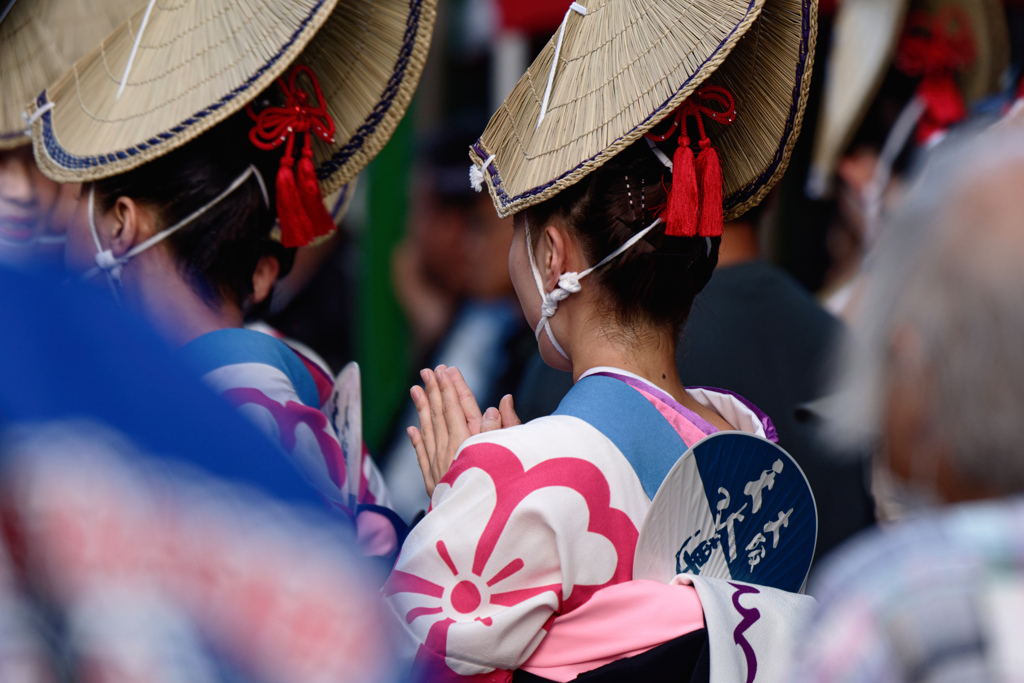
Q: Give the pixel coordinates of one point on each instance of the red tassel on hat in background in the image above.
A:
(694, 206)
(944, 108)
(935, 48)
(300, 208)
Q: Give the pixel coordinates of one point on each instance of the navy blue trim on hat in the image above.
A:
(339, 158)
(737, 197)
(750, 189)
(68, 160)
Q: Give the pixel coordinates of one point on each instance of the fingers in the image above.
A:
(491, 420)
(426, 430)
(448, 415)
(437, 420)
(467, 401)
(455, 417)
(422, 458)
(508, 412)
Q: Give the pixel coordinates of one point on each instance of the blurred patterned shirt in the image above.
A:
(931, 600)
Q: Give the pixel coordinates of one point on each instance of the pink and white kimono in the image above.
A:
(525, 558)
(287, 396)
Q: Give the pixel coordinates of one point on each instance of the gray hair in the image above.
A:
(949, 267)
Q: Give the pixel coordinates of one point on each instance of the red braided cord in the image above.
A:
(709, 100)
(298, 115)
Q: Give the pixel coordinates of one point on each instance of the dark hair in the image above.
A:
(219, 250)
(654, 282)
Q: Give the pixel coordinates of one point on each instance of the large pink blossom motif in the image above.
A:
(483, 574)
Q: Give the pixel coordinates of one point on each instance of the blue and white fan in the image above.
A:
(735, 506)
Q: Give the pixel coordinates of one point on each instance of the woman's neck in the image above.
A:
(173, 307)
(649, 354)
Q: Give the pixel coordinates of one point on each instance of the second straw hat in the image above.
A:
(864, 43)
(619, 67)
(39, 41)
(179, 67)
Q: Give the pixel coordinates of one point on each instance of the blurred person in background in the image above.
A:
(180, 222)
(312, 307)
(935, 376)
(39, 40)
(451, 277)
(150, 532)
(899, 76)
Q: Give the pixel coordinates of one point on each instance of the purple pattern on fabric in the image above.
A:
(695, 419)
(766, 422)
(750, 615)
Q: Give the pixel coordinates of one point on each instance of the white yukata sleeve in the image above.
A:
(503, 549)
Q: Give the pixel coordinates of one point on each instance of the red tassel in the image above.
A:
(290, 212)
(944, 107)
(300, 209)
(320, 221)
(709, 179)
(682, 210)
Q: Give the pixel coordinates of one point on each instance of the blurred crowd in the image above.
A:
(869, 305)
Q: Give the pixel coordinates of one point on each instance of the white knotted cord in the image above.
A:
(476, 174)
(29, 120)
(568, 283)
(579, 9)
(135, 48)
(112, 266)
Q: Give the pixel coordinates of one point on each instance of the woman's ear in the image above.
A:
(127, 229)
(264, 277)
(554, 256)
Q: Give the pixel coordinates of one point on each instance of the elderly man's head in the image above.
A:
(938, 366)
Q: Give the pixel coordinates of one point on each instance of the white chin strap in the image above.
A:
(568, 283)
(112, 266)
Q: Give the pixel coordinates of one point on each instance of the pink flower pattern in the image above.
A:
(474, 586)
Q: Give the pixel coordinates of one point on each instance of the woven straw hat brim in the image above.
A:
(39, 41)
(864, 41)
(199, 62)
(625, 67)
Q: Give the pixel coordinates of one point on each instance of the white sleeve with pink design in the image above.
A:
(529, 523)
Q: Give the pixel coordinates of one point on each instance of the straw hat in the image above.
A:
(196, 62)
(625, 66)
(39, 41)
(864, 43)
